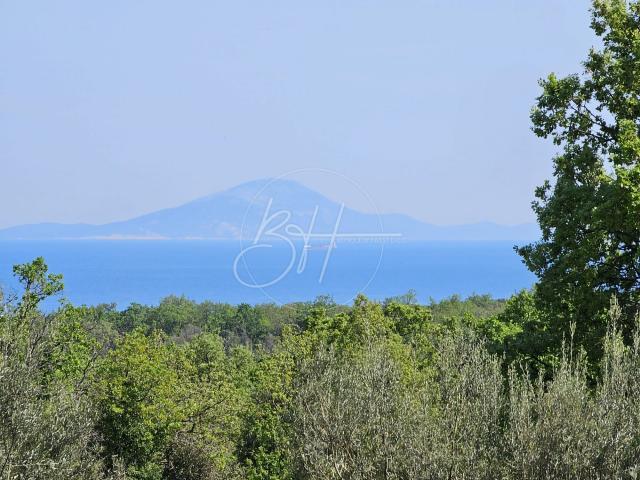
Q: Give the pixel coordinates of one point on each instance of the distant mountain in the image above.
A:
(239, 212)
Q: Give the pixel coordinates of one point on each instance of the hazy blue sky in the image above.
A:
(113, 109)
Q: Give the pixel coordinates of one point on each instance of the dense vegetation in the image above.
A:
(306, 391)
(543, 385)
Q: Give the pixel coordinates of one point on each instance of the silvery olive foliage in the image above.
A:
(348, 416)
(371, 418)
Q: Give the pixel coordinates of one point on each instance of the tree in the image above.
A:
(375, 416)
(46, 420)
(214, 399)
(590, 216)
(174, 314)
(265, 446)
(138, 394)
(348, 415)
(246, 327)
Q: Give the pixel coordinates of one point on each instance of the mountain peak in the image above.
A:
(250, 189)
(276, 184)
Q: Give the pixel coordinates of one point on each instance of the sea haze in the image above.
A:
(239, 211)
(145, 271)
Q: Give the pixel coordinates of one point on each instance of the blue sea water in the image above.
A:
(123, 272)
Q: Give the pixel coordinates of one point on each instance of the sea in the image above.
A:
(145, 271)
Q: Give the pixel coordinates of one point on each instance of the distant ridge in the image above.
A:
(238, 212)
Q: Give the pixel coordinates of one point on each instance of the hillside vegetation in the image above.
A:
(314, 390)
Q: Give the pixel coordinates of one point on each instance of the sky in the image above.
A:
(109, 110)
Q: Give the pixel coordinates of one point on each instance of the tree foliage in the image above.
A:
(373, 390)
(590, 215)
(46, 420)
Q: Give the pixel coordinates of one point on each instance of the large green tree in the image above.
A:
(590, 214)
